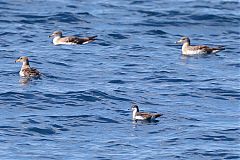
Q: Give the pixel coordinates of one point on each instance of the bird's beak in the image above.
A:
(179, 42)
(17, 60)
(50, 35)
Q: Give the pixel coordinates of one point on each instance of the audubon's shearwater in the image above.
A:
(136, 115)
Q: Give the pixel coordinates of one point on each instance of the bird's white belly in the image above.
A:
(21, 73)
(191, 52)
(57, 43)
(139, 118)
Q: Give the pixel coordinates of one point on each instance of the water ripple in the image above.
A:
(43, 131)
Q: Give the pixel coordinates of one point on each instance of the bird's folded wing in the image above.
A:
(144, 115)
(29, 72)
(73, 39)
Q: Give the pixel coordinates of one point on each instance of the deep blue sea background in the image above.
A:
(79, 108)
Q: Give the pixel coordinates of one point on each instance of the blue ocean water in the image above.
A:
(79, 109)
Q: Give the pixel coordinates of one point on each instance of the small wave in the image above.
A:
(89, 119)
(171, 80)
(215, 18)
(66, 17)
(155, 32)
(43, 131)
(152, 13)
(223, 93)
(217, 138)
(115, 144)
(117, 36)
(116, 81)
(71, 6)
(33, 17)
(7, 127)
(106, 120)
(59, 64)
(61, 128)
(32, 21)
(8, 33)
(70, 117)
(31, 121)
(103, 95)
(237, 65)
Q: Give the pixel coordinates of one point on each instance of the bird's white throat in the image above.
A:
(55, 39)
(134, 112)
(25, 64)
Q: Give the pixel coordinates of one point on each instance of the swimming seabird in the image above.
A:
(59, 39)
(187, 49)
(136, 115)
(26, 70)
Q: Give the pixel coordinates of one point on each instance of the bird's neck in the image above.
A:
(25, 64)
(185, 45)
(55, 39)
(134, 114)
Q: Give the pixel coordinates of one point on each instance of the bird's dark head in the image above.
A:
(135, 108)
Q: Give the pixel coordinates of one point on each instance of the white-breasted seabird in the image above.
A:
(26, 70)
(69, 40)
(187, 49)
(136, 115)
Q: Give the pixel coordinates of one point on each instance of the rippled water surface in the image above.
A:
(79, 109)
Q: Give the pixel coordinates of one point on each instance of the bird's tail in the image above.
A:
(217, 49)
(92, 38)
(89, 39)
(157, 115)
